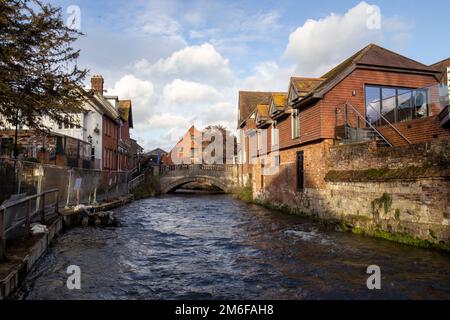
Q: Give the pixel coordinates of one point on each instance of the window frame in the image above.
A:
(413, 92)
(275, 135)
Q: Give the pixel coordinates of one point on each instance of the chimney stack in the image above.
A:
(97, 84)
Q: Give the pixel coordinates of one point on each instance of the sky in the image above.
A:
(184, 62)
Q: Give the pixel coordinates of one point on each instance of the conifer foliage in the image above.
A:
(38, 64)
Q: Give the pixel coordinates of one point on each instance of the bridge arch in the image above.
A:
(175, 183)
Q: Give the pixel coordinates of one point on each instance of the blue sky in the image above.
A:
(183, 62)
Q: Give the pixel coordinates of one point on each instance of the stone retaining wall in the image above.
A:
(402, 194)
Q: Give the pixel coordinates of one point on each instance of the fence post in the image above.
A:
(94, 201)
(28, 221)
(43, 209)
(39, 172)
(68, 189)
(19, 170)
(2, 234)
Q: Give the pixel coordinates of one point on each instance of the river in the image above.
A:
(215, 247)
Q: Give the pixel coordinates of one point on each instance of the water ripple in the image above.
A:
(214, 247)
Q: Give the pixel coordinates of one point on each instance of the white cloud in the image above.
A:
(192, 63)
(139, 91)
(268, 76)
(319, 45)
(223, 113)
(180, 91)
(166, 121)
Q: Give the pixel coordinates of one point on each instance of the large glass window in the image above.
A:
(373, 104)
(395, 104)
(389, 104)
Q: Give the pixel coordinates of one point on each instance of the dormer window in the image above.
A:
(292, 95)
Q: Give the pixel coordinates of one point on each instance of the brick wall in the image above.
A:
(416, 131)
(284, 179)
(366, 156)
(110, 136)
(409, 205)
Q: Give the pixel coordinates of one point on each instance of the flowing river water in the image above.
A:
(215, 247)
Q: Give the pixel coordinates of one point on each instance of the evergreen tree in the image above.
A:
(38, 71)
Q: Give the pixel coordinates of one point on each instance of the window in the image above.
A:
(260, 140)
(263, 164)
(300, 171)
(275, 135)
(277, 160)
(395, 104)
(295, 124)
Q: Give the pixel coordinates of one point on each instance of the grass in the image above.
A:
(399, 238)
(244, 194)
(386, 174)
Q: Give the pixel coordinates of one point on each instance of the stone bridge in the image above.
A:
(224, 177)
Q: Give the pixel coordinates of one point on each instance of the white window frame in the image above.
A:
(259, 140)
(275, 135)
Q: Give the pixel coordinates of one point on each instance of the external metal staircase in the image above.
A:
(356, 128)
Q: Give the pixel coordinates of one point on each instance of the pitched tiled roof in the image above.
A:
(262, 114)
(125, 111)
(280, 103)
(280, 100)
(263, 110)
(304, 85)
(248, 101)
(372, 56)
(442, 66)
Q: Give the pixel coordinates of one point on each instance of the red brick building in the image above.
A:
(376, 94)
(201, 147)
(248, 101)
(110, 126)
(126, 120)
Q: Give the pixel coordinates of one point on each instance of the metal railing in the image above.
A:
(389, 124)
(359, 118)
(133, 184)
(23, 212)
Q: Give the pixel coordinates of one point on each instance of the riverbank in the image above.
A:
(245, 194)
(356, 228)
(24, 254)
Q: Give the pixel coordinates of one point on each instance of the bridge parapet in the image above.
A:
(222, 176)
(197, 167)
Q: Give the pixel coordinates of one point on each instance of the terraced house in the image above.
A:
(366, 144)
